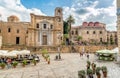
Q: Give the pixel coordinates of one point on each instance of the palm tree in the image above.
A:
(70, 21)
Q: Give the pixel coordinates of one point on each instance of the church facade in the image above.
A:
(41, 31)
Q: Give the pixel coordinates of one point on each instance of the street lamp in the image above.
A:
(59, 48)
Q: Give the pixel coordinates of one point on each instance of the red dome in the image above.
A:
(85, 24)
(96, 24)
(91, 24)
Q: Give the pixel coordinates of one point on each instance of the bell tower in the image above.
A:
(58, 12)
(59, 24)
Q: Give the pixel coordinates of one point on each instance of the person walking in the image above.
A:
(87, 55)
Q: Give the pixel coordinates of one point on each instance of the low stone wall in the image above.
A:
(90, 49)
(64, 49)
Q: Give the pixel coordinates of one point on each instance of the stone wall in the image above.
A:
(90, 49)
(64, 49)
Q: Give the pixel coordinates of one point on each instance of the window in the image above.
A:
(37, 25)
(44, 26)
(26, 32)
(100, 32)
(9, 30)
(100, 39)
(51, 26)
(17, 30)
(59, 19)
(87, 32)
(59, 12)
(76, 32)
(93, 32)
(72, 32)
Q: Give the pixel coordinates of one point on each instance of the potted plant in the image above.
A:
(98, 72)
(48, 60)
(14, 64)
(88, 64)
(44, 51)
(34, 61)
(47, 57)
(104, 70)
(24, 62)
(93, 67)
(90, 73)
(81, 74)
(2, 65)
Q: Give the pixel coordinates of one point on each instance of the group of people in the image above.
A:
(86, 54)
(9, 60)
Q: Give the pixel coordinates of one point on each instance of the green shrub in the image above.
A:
(24, 62)
(98, 70)
(81, 74)
(89, 71)
(88, 62)
(15, 63)
(2, 65)
(104, 68)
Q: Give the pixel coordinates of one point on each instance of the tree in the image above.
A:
(111, 40)
(70, 21)
(65, 27)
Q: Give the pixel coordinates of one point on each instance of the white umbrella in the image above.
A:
(3, 51)
(115, 50)
(105, 51)
(15, 51)
(1, 54)
(10, 54)
(24, 52)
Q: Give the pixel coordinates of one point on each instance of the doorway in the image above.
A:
(17, 40)
(44, 42)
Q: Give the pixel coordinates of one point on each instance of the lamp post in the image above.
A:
(59, 48)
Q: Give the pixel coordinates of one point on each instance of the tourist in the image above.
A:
(87, 56)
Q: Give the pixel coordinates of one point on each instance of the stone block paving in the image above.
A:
(68, 67)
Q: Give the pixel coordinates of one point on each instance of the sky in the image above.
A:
(103, 11)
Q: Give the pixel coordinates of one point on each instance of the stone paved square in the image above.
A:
(68, 67)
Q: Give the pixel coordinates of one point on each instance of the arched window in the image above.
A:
(87, 32)
(100, 32)
(59, 19)
(100, 39)
(37, 25)
(44, 26)
(72, 32)
(93, 32)
(51, 26)
(17, 30)
(9, 29)
(76, 32)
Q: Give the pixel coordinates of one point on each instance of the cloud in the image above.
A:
(14, 7)
(82, 11)
(88, 10)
